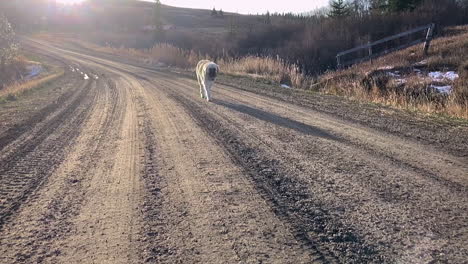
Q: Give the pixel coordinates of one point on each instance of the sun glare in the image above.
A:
(70, 1)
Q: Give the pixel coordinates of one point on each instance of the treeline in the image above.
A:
(313, 41)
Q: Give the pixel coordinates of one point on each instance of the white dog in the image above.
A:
(206, 75)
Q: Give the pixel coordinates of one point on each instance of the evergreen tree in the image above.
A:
(339, 8)
(402, 5)
(395, 5)
(221, 13)
(157, 15)
(214, 13)
(159, 33)
(268, 18)
(378, 5)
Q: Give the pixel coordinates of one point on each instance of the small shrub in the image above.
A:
(11, 97)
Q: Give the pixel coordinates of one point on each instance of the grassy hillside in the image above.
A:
(437, 83)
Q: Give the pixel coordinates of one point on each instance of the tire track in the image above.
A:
(399, 203)
(290, 200)
(211, 212)
(28, 164)
(47, 220)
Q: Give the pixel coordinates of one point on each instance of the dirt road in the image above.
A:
(129, 165)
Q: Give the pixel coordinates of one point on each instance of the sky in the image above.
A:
(243, 6)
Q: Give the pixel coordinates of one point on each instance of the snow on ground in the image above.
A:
(86, 77)
(442, 79)
(421, 63)
(446, 89)
(393, 74)
(285, 86)
(385, 68)
(438, 76)
(33, 71)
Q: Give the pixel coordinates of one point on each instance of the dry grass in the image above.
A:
(13, 71)
(270, 68)
(160, 54)
(447, 53)
(15, 90)
(274, 69)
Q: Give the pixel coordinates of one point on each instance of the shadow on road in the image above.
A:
(277, 120)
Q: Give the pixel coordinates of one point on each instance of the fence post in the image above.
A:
(370, 51)
(427, 43)
(338, 61)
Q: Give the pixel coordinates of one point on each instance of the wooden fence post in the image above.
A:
(427, 43)
(338, 61)
(370, 52)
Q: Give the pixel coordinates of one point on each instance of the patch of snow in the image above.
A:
(385, 68)
(451, 75)
(421, 63)
(285, 86)
(435, 75)
(33, 71)
(393, 74)
(96, 77)
(443, 89)
(86, 77)
(439, 76)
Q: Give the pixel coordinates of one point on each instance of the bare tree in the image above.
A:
(8, 44)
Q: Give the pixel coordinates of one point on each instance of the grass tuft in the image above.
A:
(12, 92)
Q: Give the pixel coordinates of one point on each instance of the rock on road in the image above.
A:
(132, 167)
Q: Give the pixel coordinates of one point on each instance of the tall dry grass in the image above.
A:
(271, 68)
(12, 71)
(447, 53)
(15, 90)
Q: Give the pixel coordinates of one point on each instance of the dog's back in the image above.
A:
(201, 69)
